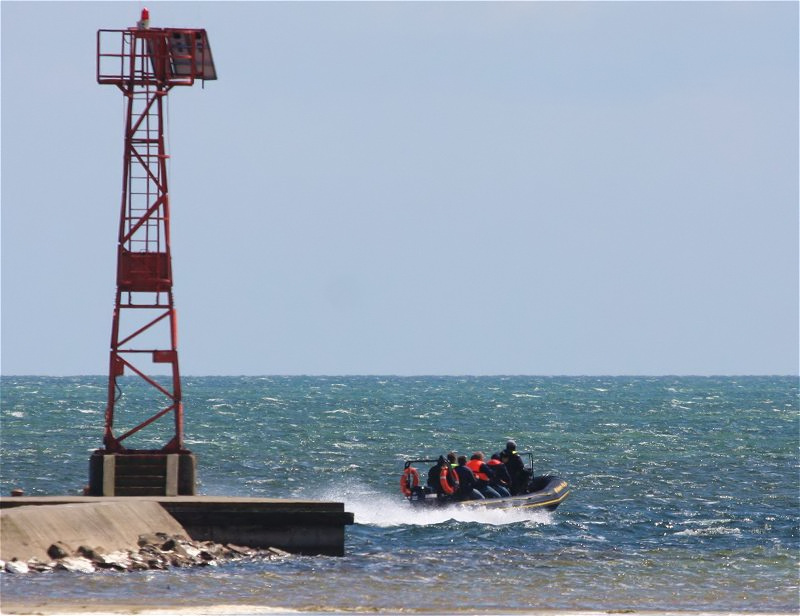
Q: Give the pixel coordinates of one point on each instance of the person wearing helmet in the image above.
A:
(520, 476)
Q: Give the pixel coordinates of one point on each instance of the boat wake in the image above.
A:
(382, 510)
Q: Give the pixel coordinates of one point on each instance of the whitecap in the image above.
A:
(709, 522)
(709, 531)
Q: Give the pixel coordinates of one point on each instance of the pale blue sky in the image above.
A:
(415, 188)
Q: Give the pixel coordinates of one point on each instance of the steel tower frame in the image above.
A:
(145, 64)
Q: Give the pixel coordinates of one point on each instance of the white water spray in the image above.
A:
(383, 510)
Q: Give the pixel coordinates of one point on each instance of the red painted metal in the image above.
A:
(145, 64)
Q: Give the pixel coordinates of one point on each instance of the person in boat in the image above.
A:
(433, 475)
(452, 459)
(520, 476)
(442, 479)
(468, 484)
(500, 476)
(483, 476)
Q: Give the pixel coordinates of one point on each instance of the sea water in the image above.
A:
(684, 490)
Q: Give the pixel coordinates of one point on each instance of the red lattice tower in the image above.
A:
(145, 64)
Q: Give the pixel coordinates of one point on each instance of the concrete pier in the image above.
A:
(297, 526)
(27, 532)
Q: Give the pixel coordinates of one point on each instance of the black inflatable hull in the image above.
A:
(548, 492)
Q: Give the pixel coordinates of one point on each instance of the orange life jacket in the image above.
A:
(475, 467)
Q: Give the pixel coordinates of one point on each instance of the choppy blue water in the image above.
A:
(684, 490)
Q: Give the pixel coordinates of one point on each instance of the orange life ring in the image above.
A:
(409, 480)
(444, 480)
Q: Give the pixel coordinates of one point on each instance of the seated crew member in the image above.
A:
(433, 475)
(483, 476)
(501, 478)
(520, 476)
(435, 478)
(468, 485)
(451, 458)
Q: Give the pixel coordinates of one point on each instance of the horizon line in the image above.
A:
(436, 375)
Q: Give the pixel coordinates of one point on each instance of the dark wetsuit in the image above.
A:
(467, 484)
(434, 475)
(500, 477)
(433, 479)
(519, 476)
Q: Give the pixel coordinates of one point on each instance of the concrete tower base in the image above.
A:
(142, 473)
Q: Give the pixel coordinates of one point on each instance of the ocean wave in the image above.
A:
(709, 531)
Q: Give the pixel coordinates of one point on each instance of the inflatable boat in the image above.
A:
(542, 492)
